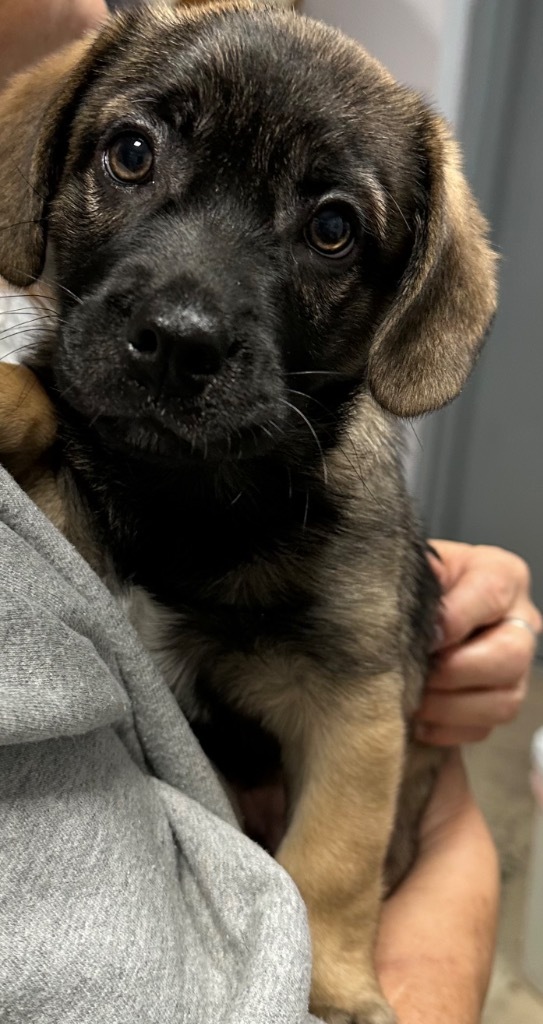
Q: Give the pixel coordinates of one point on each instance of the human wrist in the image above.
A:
(437, 933)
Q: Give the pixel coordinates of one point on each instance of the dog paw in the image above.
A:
(372, 1011)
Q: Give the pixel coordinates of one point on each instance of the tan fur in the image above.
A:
(343, 755)
(27, 418)
(33, 99)
(424, 350)
(351, 758)
(28, 430)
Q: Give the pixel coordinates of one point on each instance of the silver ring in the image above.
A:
(516, 621)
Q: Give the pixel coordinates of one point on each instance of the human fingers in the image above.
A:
(477, 686)
(452, 719)
(483, 586)
(494, 659)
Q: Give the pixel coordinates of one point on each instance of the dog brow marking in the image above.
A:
(379, 206)
(396, 204)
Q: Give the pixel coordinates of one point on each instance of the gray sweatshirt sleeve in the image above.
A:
(127, 892)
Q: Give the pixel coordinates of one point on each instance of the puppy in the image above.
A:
(264, 252)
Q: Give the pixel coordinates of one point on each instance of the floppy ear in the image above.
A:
(34, 112)
(423, 352)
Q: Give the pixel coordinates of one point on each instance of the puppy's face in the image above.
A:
(237, 233)
(251, 222)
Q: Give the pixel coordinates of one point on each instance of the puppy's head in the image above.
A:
(250, 222)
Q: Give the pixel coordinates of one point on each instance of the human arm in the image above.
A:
(30, 29)
(484, 652)
(437, 932)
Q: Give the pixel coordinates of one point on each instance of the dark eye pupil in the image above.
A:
(331, 231)
(331, 227)
(130, 158)
(132, 154)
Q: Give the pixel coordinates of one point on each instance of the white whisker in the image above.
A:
(314, 435)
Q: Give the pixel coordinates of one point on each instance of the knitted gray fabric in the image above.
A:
(127, 892)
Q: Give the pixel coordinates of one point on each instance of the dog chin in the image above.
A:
(174, 443)
(174, 432)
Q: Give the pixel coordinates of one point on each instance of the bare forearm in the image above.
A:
(437, 966)
(29, 29)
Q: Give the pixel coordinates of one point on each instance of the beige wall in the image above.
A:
(404, 34)
(422, 42)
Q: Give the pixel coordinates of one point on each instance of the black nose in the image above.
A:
(176, 348)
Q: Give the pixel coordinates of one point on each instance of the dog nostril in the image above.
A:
(199, 357)
(177, 348)
(146, 342)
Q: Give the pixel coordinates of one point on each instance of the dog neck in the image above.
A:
(178, 530)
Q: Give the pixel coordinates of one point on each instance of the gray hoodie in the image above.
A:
(127, 892)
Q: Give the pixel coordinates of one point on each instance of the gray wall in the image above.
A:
(406, 35)
(483, 481)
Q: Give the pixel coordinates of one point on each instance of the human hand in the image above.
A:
(481, 667)
(437, 931)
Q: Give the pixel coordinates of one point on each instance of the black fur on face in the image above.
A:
(203, 190)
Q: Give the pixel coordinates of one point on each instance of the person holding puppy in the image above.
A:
(482, 659)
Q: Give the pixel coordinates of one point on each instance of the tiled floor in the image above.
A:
(499, 771)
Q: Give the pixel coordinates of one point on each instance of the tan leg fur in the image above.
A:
(336, 844)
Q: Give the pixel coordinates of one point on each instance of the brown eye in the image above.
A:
(331, 230)
(129, 159)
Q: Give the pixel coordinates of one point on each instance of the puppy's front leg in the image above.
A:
(345, 785)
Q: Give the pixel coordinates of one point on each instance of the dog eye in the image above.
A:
(129, 158)
(331, 231)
